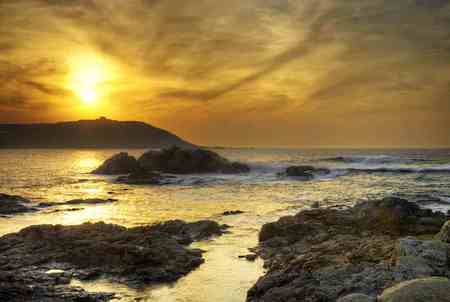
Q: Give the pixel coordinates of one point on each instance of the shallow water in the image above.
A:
(61, 175)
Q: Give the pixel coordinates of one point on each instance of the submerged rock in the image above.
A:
(186, 161)
(135, 256)
(327, 254)
(121, 163)
(433, 289)
(304, 172)
(13, 204)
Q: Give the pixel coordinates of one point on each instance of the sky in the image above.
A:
(286, 73)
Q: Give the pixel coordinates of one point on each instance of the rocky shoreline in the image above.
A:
(357, 254)
(37, 263)
(387, 250)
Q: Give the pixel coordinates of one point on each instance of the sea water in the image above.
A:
(355, 175)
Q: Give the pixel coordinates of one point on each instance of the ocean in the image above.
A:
(50, 175)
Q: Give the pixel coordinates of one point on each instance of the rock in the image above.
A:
(186, 161)
(143, 178)
(121, 163)
(325, 254)
(396, 215)
(315, 205)
(357, 298)
(135, 256)
(434, 289)
(88, 201)
(304, 172)
(444, 234)
(36, 286)
(13, 204)
(249, 257)
(230, 213)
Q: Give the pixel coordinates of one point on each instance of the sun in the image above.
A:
(88, 96)
(87, 78)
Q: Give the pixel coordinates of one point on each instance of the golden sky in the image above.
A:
(240, 73)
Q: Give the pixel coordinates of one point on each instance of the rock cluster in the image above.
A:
(328, 254)
(135, 256)
(173, 160)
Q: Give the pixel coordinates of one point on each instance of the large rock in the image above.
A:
(121, 163)
(327, 254)
(13, 204)
(186, 161)
(419, 290)
(135, 256)
(444, 234)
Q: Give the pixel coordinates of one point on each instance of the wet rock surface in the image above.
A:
(144, 178)
(304, 172)
(327, 254)
(134, 256)
(13, 204)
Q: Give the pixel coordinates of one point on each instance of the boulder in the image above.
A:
(13, 204)
(121, 163)
(186, 161)
(136, 256)
(433, 289)
(444, 234)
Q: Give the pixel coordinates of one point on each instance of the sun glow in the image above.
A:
(89, 74)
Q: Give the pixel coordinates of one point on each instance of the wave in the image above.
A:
(374, 159)
(400, 170)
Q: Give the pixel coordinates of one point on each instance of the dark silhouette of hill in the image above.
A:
(100, 133)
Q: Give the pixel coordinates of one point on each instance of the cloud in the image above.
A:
(306, 59)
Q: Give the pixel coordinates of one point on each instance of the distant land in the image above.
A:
(99, 133)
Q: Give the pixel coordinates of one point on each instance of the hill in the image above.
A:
(99, 133)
